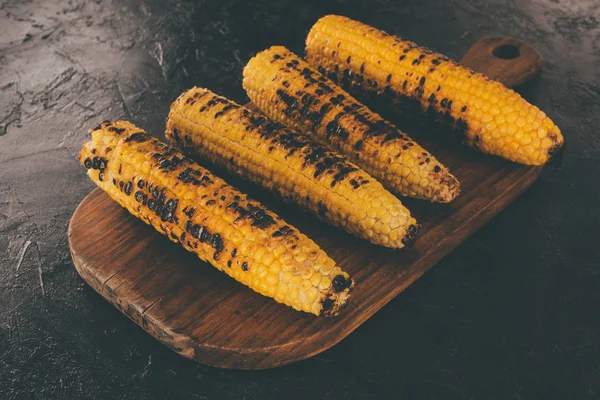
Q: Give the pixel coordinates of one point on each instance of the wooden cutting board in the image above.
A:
(208, 317)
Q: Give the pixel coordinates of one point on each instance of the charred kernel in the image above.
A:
(463, 109)
(359, 145)
(216, 242)
(127, 188)
(101, 176)
(210, 202)
(437, 168)
(139, 196)
(388, 79)
(348, 59)
(327, 305)
(233, 252)
(121, 184)
(422, 81)
(87, 163)
(96, 162)
(204, 235)
(244, 266)
(140, 184)
(229, 263)
(172, 204)
(340, 283)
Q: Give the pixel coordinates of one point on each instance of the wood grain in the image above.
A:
(206, 316)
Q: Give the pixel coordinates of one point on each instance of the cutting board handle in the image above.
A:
(507, 60)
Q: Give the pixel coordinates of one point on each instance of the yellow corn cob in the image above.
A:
(191, 206)
(290, 165)
(494, 119)
(286, 89)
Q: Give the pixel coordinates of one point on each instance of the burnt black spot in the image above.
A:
(463, 109)
(437, 168)
(116, 130)
(171, 205)
(327, 305)
(210, 202)
(87, 163)
(127, 188)
(216, 242)
(151, 205)
(139, 196)
(408, 240)
(359, 145)
(244, 266)
(196, 231)
(389, 78)
(204, 235)
(341, 283)
(422, 81)
(137, 137)
(334, 129)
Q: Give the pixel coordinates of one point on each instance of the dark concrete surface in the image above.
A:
(514, 313)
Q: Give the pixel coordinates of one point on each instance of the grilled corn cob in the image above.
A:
(191, 206)
(286, 89)
(290, 165)
(494, 119)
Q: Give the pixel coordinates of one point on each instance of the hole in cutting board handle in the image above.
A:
(506, 51)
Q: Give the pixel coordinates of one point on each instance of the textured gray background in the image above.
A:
(513, 313)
